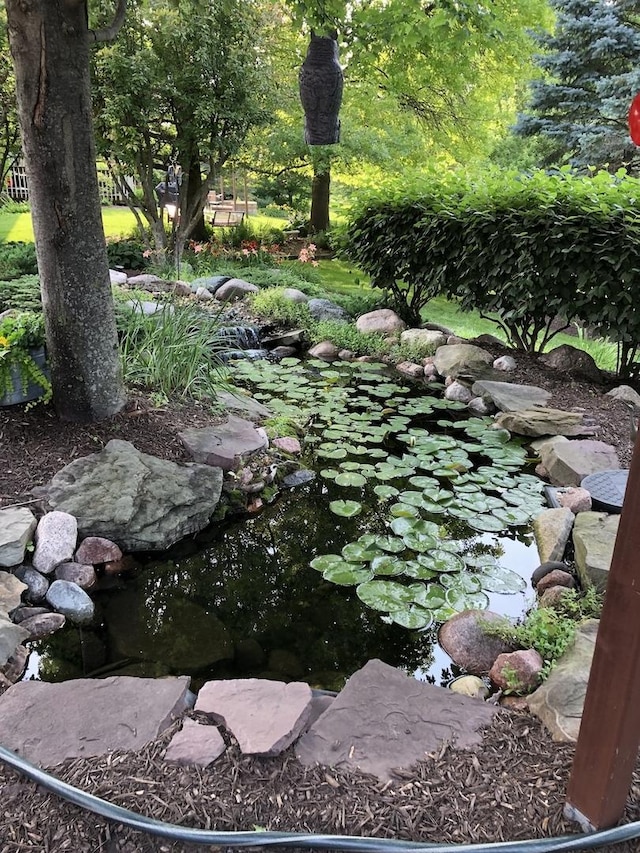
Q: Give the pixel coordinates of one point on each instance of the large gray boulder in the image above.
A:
(572, 361)
(383, 320)
(569, 462)
(454, 359)
(325, 309)
(138, 501)
(510, 397)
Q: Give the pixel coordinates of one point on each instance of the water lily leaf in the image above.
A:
(420, 542)
(390, 543)
(411, 498)
(514, 517)
(347, 574)
(413, 617)
(338, 453)
(357, 551)
(497, 578)
(325, 561)
(367, 538)
(385, 492)
(350, 478)
(401, 510)
(444, 613)
(385, 564)
(329, 473)
(424, 482)
(459, 600)
(462, 581)
(442, 561)
(432, 597)
(385, 595)
(347, 509)
(486, 523)
(413, 569)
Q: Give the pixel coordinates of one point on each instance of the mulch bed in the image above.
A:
(510, 788)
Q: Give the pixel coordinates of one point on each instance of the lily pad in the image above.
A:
(350, 478)
(347, 574)
(385, 564)
(413, 617)
(460, 600)
(497, 578)
(413, 569)
(385, 492)
(390, 543)
(359, 550)
(432, 597)
(346, 509)
(385, 595)
(486, 523)
(325, 561)
(442, 561)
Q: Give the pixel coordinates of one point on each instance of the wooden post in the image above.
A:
(607, 746)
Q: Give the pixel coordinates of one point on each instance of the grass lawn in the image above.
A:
(117, 221)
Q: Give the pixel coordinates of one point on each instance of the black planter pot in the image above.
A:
(321, 83)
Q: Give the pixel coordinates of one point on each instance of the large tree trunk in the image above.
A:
(194, 191)
(50, 49)
(320, 189)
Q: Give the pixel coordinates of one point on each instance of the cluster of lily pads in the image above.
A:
(431, 477)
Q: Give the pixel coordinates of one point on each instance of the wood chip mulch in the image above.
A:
(510, 788)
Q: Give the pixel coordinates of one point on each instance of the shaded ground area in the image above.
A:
(510, 788)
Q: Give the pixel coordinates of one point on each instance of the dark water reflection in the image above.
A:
(243, 602)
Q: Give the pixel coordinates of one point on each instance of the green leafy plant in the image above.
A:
(523, 251)
(272, 303)
(21, 336)
(347, 336)
(176, 351)
(17, 260)
(21, 294)
(128, 254)
(544, 629)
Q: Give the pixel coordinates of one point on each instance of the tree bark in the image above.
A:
(194, 191)
(50, 49)
(320, 191)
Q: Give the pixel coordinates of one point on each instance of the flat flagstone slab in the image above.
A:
(264, 716)
(559, 702)
(48, 723)
(569, 462)
(384, 719)
(509, 396)
(224, 445)
(541, 420)
(195, 744)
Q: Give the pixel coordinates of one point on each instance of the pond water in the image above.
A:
(415, 513)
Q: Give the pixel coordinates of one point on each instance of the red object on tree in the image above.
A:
(634, 119)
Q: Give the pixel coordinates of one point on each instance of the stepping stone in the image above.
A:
(264, 716)
(246, 406)
(48, 723)
(383, 719)
(559, 702)
(226, 445)
(195, 744)
(510, 397)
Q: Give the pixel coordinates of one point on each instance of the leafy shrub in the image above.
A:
(520, 250)
(347, 336)
(22, 293)
(273, 304)
(127, 254)
(16, 260)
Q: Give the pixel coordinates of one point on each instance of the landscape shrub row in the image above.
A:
(521, 250)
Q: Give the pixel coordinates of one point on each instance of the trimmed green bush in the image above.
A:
(16, 260)
(521, 250)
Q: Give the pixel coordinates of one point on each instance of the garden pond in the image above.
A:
(416, 511)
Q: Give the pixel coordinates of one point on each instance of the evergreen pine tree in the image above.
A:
(592, 65)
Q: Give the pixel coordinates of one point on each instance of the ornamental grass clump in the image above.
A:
(22, 339)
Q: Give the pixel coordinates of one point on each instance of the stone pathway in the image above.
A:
(381, 720)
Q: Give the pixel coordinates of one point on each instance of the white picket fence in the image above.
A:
(18, 185)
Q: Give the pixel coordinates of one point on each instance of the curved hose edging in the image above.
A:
(357, 844)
